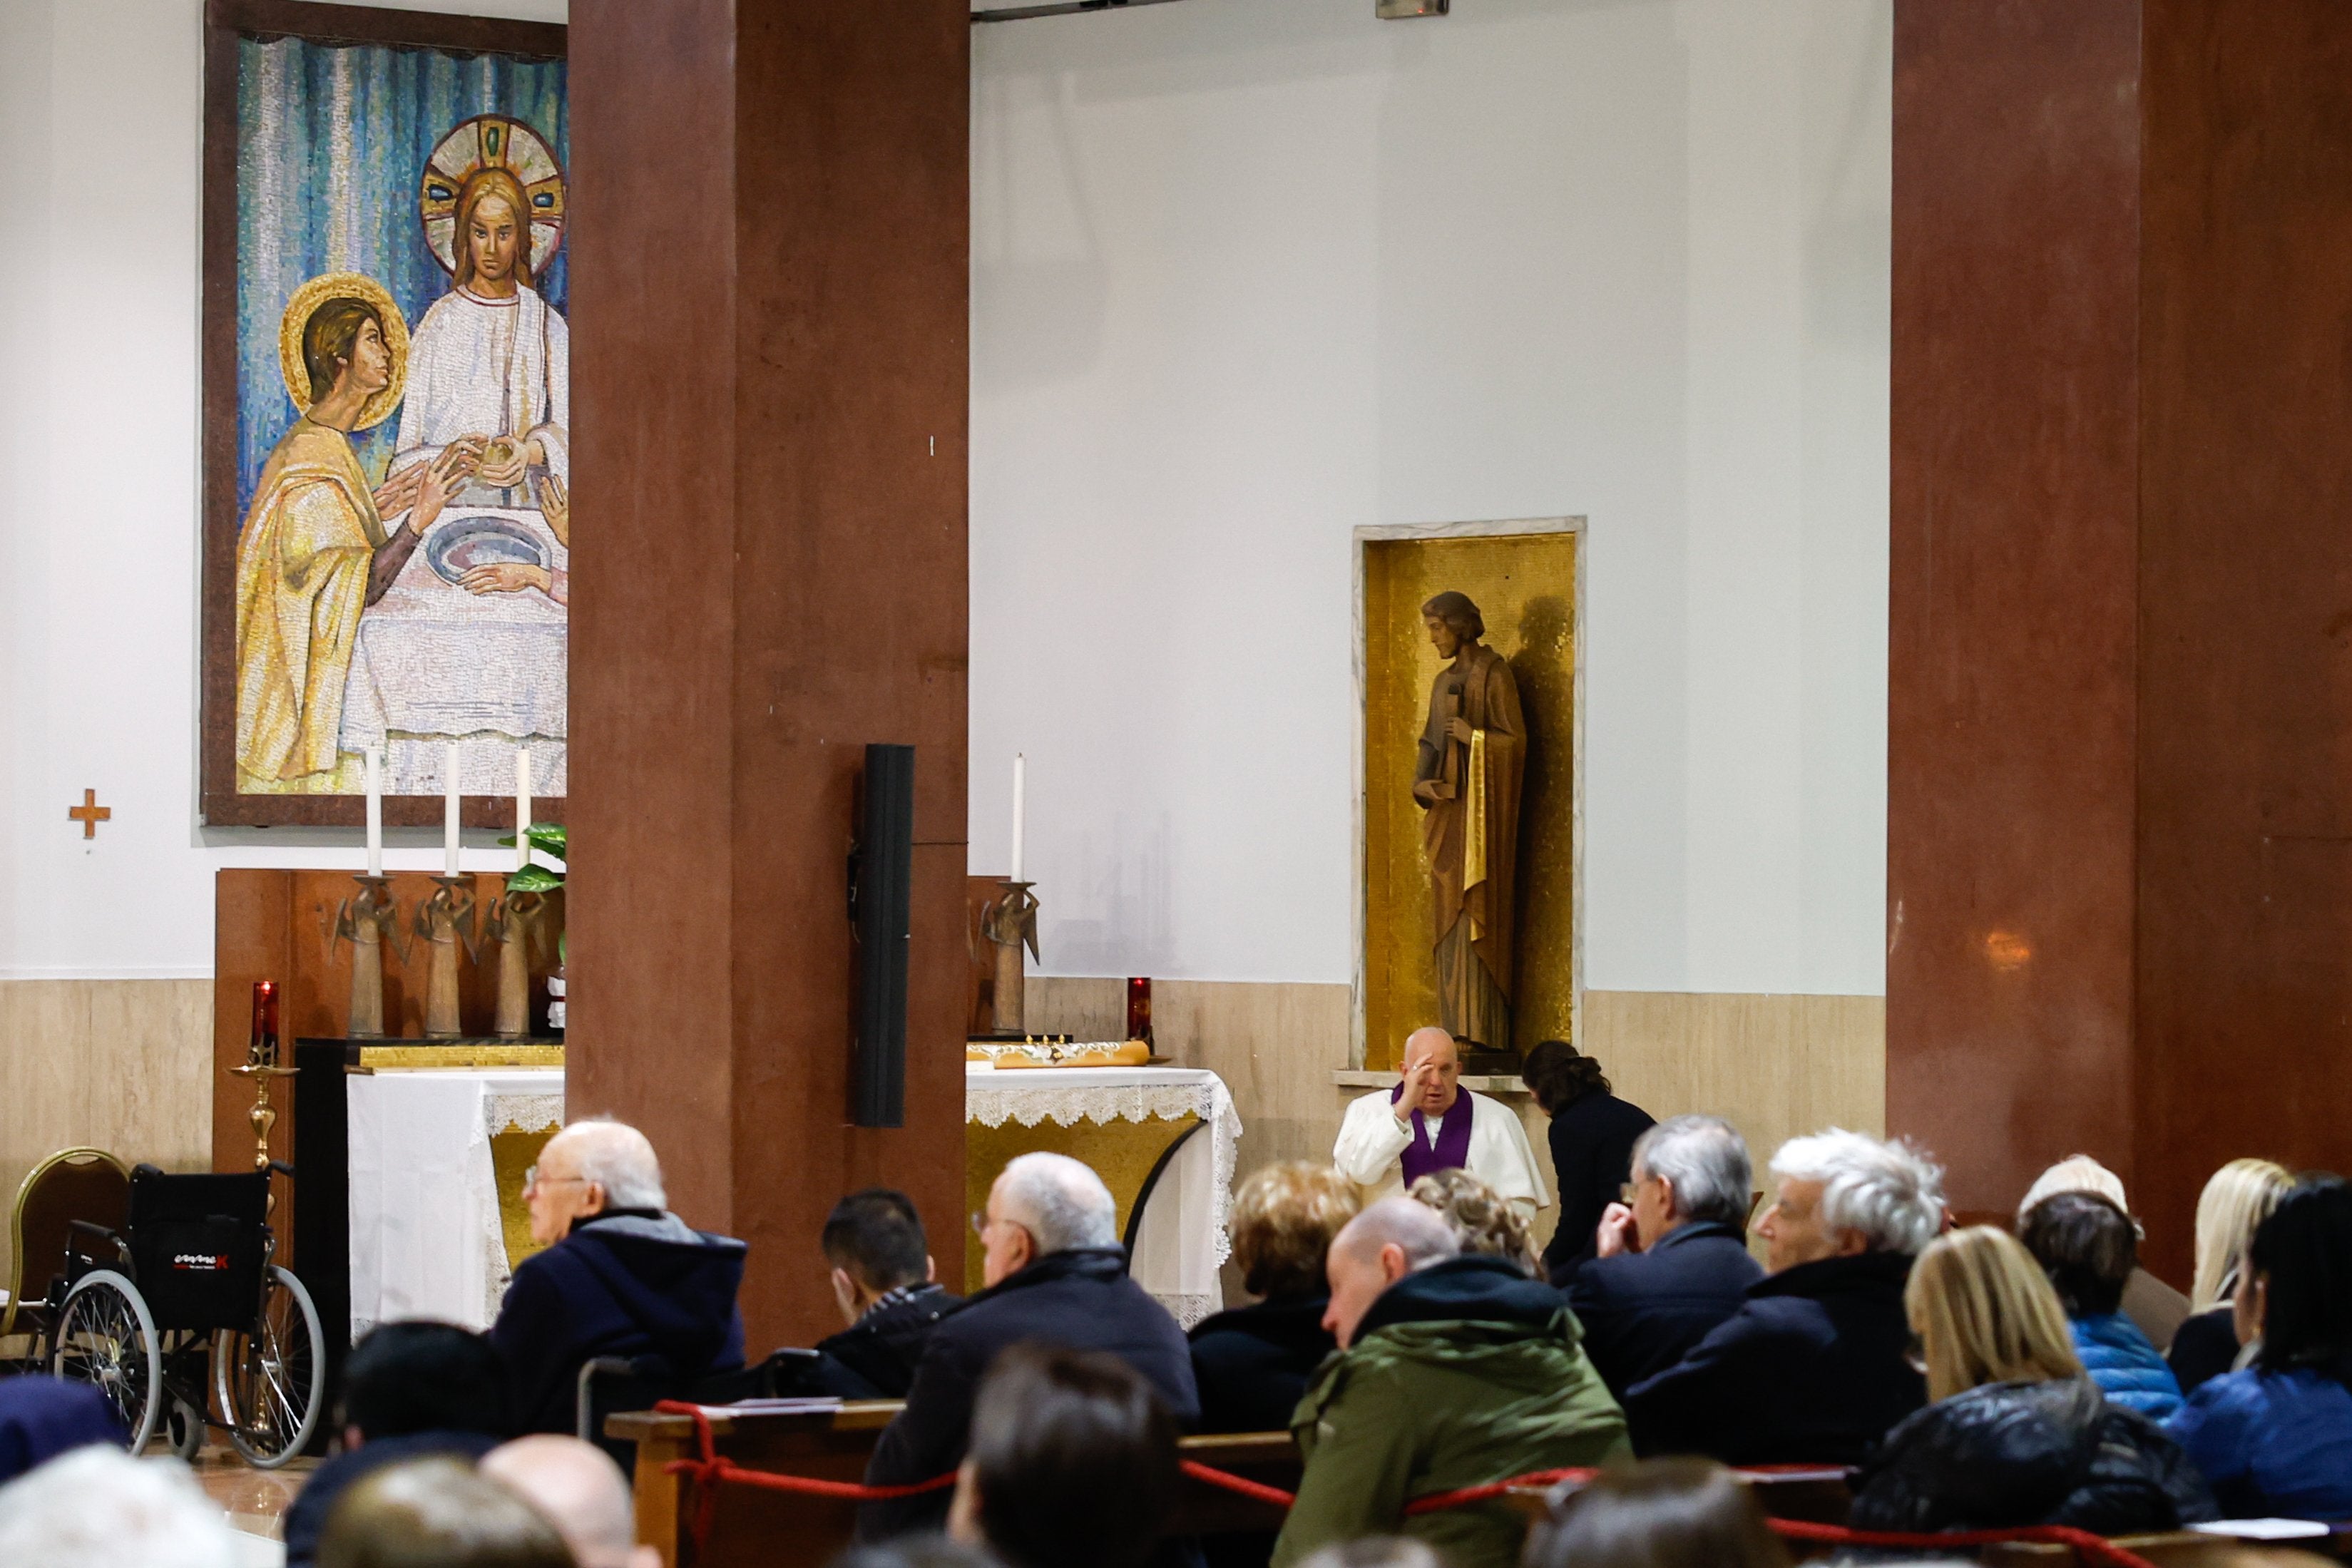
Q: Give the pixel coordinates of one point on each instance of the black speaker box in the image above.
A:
(881, 895)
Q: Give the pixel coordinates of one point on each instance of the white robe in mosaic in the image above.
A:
(489, 367)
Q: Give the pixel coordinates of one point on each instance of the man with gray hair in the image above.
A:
(622, 1276)
(1055, 1275)
(1812, 1368)
(1671, 1261)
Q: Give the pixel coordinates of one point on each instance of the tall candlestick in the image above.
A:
(1019, 793)
(453, 793)
(375, 812)
(522, 806)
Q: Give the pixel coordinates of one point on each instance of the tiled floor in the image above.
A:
(255, 1500)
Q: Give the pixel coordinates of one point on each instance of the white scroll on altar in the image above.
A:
(436, 1162)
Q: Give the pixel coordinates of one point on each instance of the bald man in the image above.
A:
(622, 1276)
(580, 1491)
(1393, 1138)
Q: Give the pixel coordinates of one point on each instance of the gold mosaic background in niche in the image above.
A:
(1525, 588)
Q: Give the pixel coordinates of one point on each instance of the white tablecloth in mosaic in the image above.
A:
(434, 661)
(427, 1240)
(1182, 1241)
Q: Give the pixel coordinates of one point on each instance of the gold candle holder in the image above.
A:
(1010, 921)
(263, 1115)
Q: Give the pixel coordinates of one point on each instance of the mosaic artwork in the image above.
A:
(402, 421)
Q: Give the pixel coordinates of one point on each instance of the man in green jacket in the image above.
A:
(1455, 1370)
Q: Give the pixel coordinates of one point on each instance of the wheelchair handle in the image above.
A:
(282, 1168)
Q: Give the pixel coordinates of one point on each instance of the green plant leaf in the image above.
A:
(547, 838)
(533, 879)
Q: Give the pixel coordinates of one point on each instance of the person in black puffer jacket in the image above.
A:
(2018, 1434)
(1252, 1363)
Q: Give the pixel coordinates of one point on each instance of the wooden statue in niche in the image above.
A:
(1472, 760)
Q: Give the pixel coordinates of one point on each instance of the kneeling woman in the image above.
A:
(2016, 1434)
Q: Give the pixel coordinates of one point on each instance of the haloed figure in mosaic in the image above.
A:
(492, 368)
(1473, 757)
(317, 545)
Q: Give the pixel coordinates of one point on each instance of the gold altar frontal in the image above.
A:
(1121, 1152)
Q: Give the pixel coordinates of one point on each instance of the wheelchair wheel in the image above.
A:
(107, 1338)
(184, 1429)
(270, 1382)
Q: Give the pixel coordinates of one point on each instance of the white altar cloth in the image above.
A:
(1182, 1241)
(426, 1236)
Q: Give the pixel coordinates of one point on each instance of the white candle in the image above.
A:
(453, 792)
(522, 806)
(1019, 793)
(375, 812)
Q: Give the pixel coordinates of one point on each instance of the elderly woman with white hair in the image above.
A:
(1813, 1368)
(1056, 1276)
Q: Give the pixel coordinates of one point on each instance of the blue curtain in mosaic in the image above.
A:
(331, 144)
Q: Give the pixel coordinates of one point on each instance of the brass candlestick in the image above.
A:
(367, 920)
(513, 922)
(263, 1115)
(444, 920)
(1010, 921)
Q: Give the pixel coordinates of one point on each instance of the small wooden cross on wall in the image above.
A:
(90, 813)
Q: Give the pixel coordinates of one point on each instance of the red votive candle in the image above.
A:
(263, 1051)
(1139, 1007)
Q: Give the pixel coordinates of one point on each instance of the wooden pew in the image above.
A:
(752, 1525)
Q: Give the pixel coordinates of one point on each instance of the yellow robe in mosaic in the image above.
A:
(301, 581)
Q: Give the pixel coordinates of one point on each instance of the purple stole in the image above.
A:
(1453, 1150)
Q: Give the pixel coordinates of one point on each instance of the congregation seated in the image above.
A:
(1455, 1370)
(1251, 1362)
(1483, 1220)
(2154, 1307)
(1673, 1263)
(438, 1513)
(2089, 1249)
(1812, 1367)
(1659, 1513)
(2018, 1435)
(410, 1389)
(2276, 1437)
(42, 1417)
(621, 1276)
(577, 1487)
(96, 1507)
(2236, 1199)
(1072, 1464)
(1055, 1273)
(889, 1293)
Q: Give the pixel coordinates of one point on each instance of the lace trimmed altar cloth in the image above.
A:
(437, 1163)
(1120, 1120)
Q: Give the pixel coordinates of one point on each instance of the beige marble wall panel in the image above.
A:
(123, 1065)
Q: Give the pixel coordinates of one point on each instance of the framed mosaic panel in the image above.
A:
(386, 412)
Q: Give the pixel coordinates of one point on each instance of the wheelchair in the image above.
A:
(183, 1322)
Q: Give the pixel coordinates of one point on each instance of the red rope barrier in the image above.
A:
(2090, 1547)
(1437, 1502)
(709, 1471)
(1257, 1491)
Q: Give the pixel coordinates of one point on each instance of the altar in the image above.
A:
(1163, 1135)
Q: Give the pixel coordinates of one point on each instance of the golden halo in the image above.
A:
(307, 299)
(492, 142)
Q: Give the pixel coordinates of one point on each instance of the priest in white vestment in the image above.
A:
(1392, 1137)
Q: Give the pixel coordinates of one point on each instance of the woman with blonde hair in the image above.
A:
(2235, 1202)
(1482, 1219)
(1252, 1363)
(2017, 1434)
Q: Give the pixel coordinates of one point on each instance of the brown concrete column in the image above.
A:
(2120, 770)
(770, 281)
(2010, 737)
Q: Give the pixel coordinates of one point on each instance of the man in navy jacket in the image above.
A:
(1812, 1368)
(1672, 1264)
(624, 1278)
(1056, 1276)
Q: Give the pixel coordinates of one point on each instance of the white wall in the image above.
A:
(1247, 274)
(101, 105)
